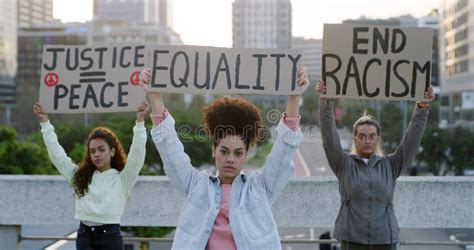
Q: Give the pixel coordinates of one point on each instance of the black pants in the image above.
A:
(357, 246)
(104, 237)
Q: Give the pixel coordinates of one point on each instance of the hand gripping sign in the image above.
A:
(376, 62)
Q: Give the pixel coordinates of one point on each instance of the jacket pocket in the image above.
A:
(193, 215)
(257, 218)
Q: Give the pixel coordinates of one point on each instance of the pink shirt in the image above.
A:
(292, 123)
(221, 235)
(156, 119)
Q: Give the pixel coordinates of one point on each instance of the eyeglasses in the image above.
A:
(370, 138)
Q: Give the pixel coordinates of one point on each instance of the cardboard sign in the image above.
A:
(376, 62)
(80, 79)
(211, 70)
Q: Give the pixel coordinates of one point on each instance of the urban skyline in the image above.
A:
(430, 208)
(308, 17)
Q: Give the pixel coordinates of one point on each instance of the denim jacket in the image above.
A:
(250, 215)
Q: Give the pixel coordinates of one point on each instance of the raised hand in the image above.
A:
(156, 101)
(429, 97)
(145, 77)
(39, 112)
(303, 78)
(292, 107)
(141, 111)
(320, 87)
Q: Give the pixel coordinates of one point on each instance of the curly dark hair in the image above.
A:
(232, 116)
(83, 176)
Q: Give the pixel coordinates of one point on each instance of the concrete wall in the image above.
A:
(420, 202)
(9, 237)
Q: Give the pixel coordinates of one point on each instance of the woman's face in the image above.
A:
(230, 155)
(101, 154)
(366, 140)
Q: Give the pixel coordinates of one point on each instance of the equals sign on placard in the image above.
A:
(94, 76)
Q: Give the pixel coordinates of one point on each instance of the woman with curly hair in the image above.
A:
(103, 180)
(231, 210)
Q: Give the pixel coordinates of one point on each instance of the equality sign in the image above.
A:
(80, 79)
(376, 62)
(212, 70)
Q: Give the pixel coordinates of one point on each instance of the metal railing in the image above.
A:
(283, 241)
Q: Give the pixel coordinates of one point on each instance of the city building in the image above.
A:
(457, 63)
(432, 21)
(34, 12)
(261, 24)
(8, 65)
(123, 32)
(311, 50)
(139, 11)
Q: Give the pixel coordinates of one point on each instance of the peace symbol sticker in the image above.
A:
(51, 79)
(135, 78)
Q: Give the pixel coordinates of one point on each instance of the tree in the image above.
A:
(353, 110)
(191, 132)
(22, 157)
(309, 109)
(434, 145)
(391, 119)
(70, 134)
(461, 149)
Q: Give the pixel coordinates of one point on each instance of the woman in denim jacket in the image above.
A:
(231, 210)
(367, 177)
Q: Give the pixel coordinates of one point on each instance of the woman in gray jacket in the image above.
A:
(366, 177)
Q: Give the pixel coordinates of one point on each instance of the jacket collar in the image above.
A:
(216, 178)
(372, 159)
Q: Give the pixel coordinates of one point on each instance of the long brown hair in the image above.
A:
(83, 176)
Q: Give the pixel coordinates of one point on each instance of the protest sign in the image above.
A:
(376, 62)
(81, 79)
(212, 70)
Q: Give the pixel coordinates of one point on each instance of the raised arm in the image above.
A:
(56, 153)
(331, 141)
(176, 162)
(410, 143)
(279, 166)
(136, 155)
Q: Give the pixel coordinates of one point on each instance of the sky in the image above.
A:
(209, 22)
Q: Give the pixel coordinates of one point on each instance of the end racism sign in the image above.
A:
(376, 62)
(211, 70)
(80, 79)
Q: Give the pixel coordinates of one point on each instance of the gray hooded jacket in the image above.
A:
(367, 215)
